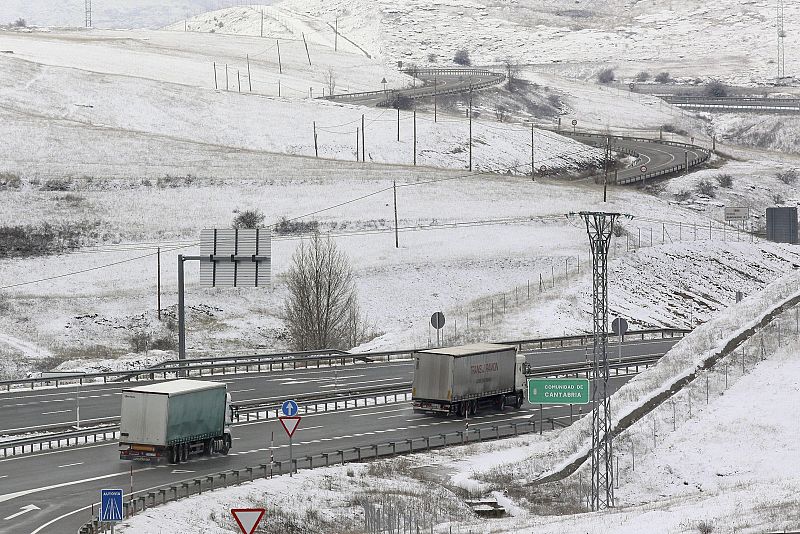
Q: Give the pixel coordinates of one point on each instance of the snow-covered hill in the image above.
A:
(732, 39)
(107, 13)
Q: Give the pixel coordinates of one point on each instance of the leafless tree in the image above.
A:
(501, 113)
(322, 309)
(330, 81)
(512, 69)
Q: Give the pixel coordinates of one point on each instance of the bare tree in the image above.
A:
(501, 113)
(330, 81)
(322, 309)
(512, 69)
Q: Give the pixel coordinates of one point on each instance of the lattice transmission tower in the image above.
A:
(600, 226)
(781, 51)
(88, 13)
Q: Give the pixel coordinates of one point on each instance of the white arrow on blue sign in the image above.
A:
(110, 505)
(289, 408)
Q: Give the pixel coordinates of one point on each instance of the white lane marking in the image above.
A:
(243, 390)
(24, 510)
(58, 451)
(16, 494)
(311, 427)
(9, 430)
(394, 409)
(58, 411)
(3, 476)
(70, 465)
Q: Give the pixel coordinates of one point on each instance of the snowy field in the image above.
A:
(629, 36)
(716, 465)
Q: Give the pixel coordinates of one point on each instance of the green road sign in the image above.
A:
(558, 390)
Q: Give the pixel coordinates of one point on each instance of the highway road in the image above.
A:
(432, 81)
(63, 483)
(737, 104)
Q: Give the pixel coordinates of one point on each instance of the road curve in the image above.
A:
(433, 82)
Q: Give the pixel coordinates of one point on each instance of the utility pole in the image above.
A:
(249, 79)
(599, 227)
(358, 133)
(434, 98)
(216, 86)
(533, 165)
(226, 76)
(781, 51)
(336, 36)
(363, 141)
(88, 13)
(605, 165)
(415, 135)
(396, 236)
(470, 129)
(316, 149)
(158, 278)
(280, 66)
(262, 23)
(686, 161)
(307, 54)
(239, 80)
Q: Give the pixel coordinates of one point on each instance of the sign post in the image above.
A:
(290, 421)
(619, 326)
(437, 321)
(110, 506)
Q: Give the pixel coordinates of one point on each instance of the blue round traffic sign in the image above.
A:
(289, 408)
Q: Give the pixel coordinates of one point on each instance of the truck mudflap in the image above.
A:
(132, 454)
(431, 406)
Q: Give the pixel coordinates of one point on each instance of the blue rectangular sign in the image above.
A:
(110, 505)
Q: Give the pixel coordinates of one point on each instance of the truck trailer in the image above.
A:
(174, 420)
(457, 380)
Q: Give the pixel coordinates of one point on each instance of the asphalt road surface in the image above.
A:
(63, 483)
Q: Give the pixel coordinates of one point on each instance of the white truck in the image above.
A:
(174, 420)
(457, 380)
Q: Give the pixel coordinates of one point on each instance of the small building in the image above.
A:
(782, 225)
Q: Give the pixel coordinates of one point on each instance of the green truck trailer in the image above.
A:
(175, 420)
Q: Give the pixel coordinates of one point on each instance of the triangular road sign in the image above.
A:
(248, 518)
(290, 424)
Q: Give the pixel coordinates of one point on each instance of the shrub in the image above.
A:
(725, 180)
(663, 77)
(705, 528)
(705, 187)
(248, 219)
(777, 198)
(9, 181)
(674, 129)
(57, 184)
(462, 58)
(716, 89)
(30, 240)
(432, 57)
(20, 23)
(605, 76)
(643, 76)
(554, 101)
(289, 227)
(683, 195)
(787, 177)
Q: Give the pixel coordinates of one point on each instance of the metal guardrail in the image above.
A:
(420, 92)
(241, 413)
(316, 403)
(282, 361)
(140, 500)
(654, 174)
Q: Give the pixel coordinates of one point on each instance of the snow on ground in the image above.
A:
(630, 36)
(105, 14)
(724, 466)
(52, 111)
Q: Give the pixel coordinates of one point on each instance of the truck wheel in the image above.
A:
(501, 402)
(207, 447)
(184, 452)
(461, 409)
(173, 455)
(518, 403)
(473, 407)
(226, 447)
